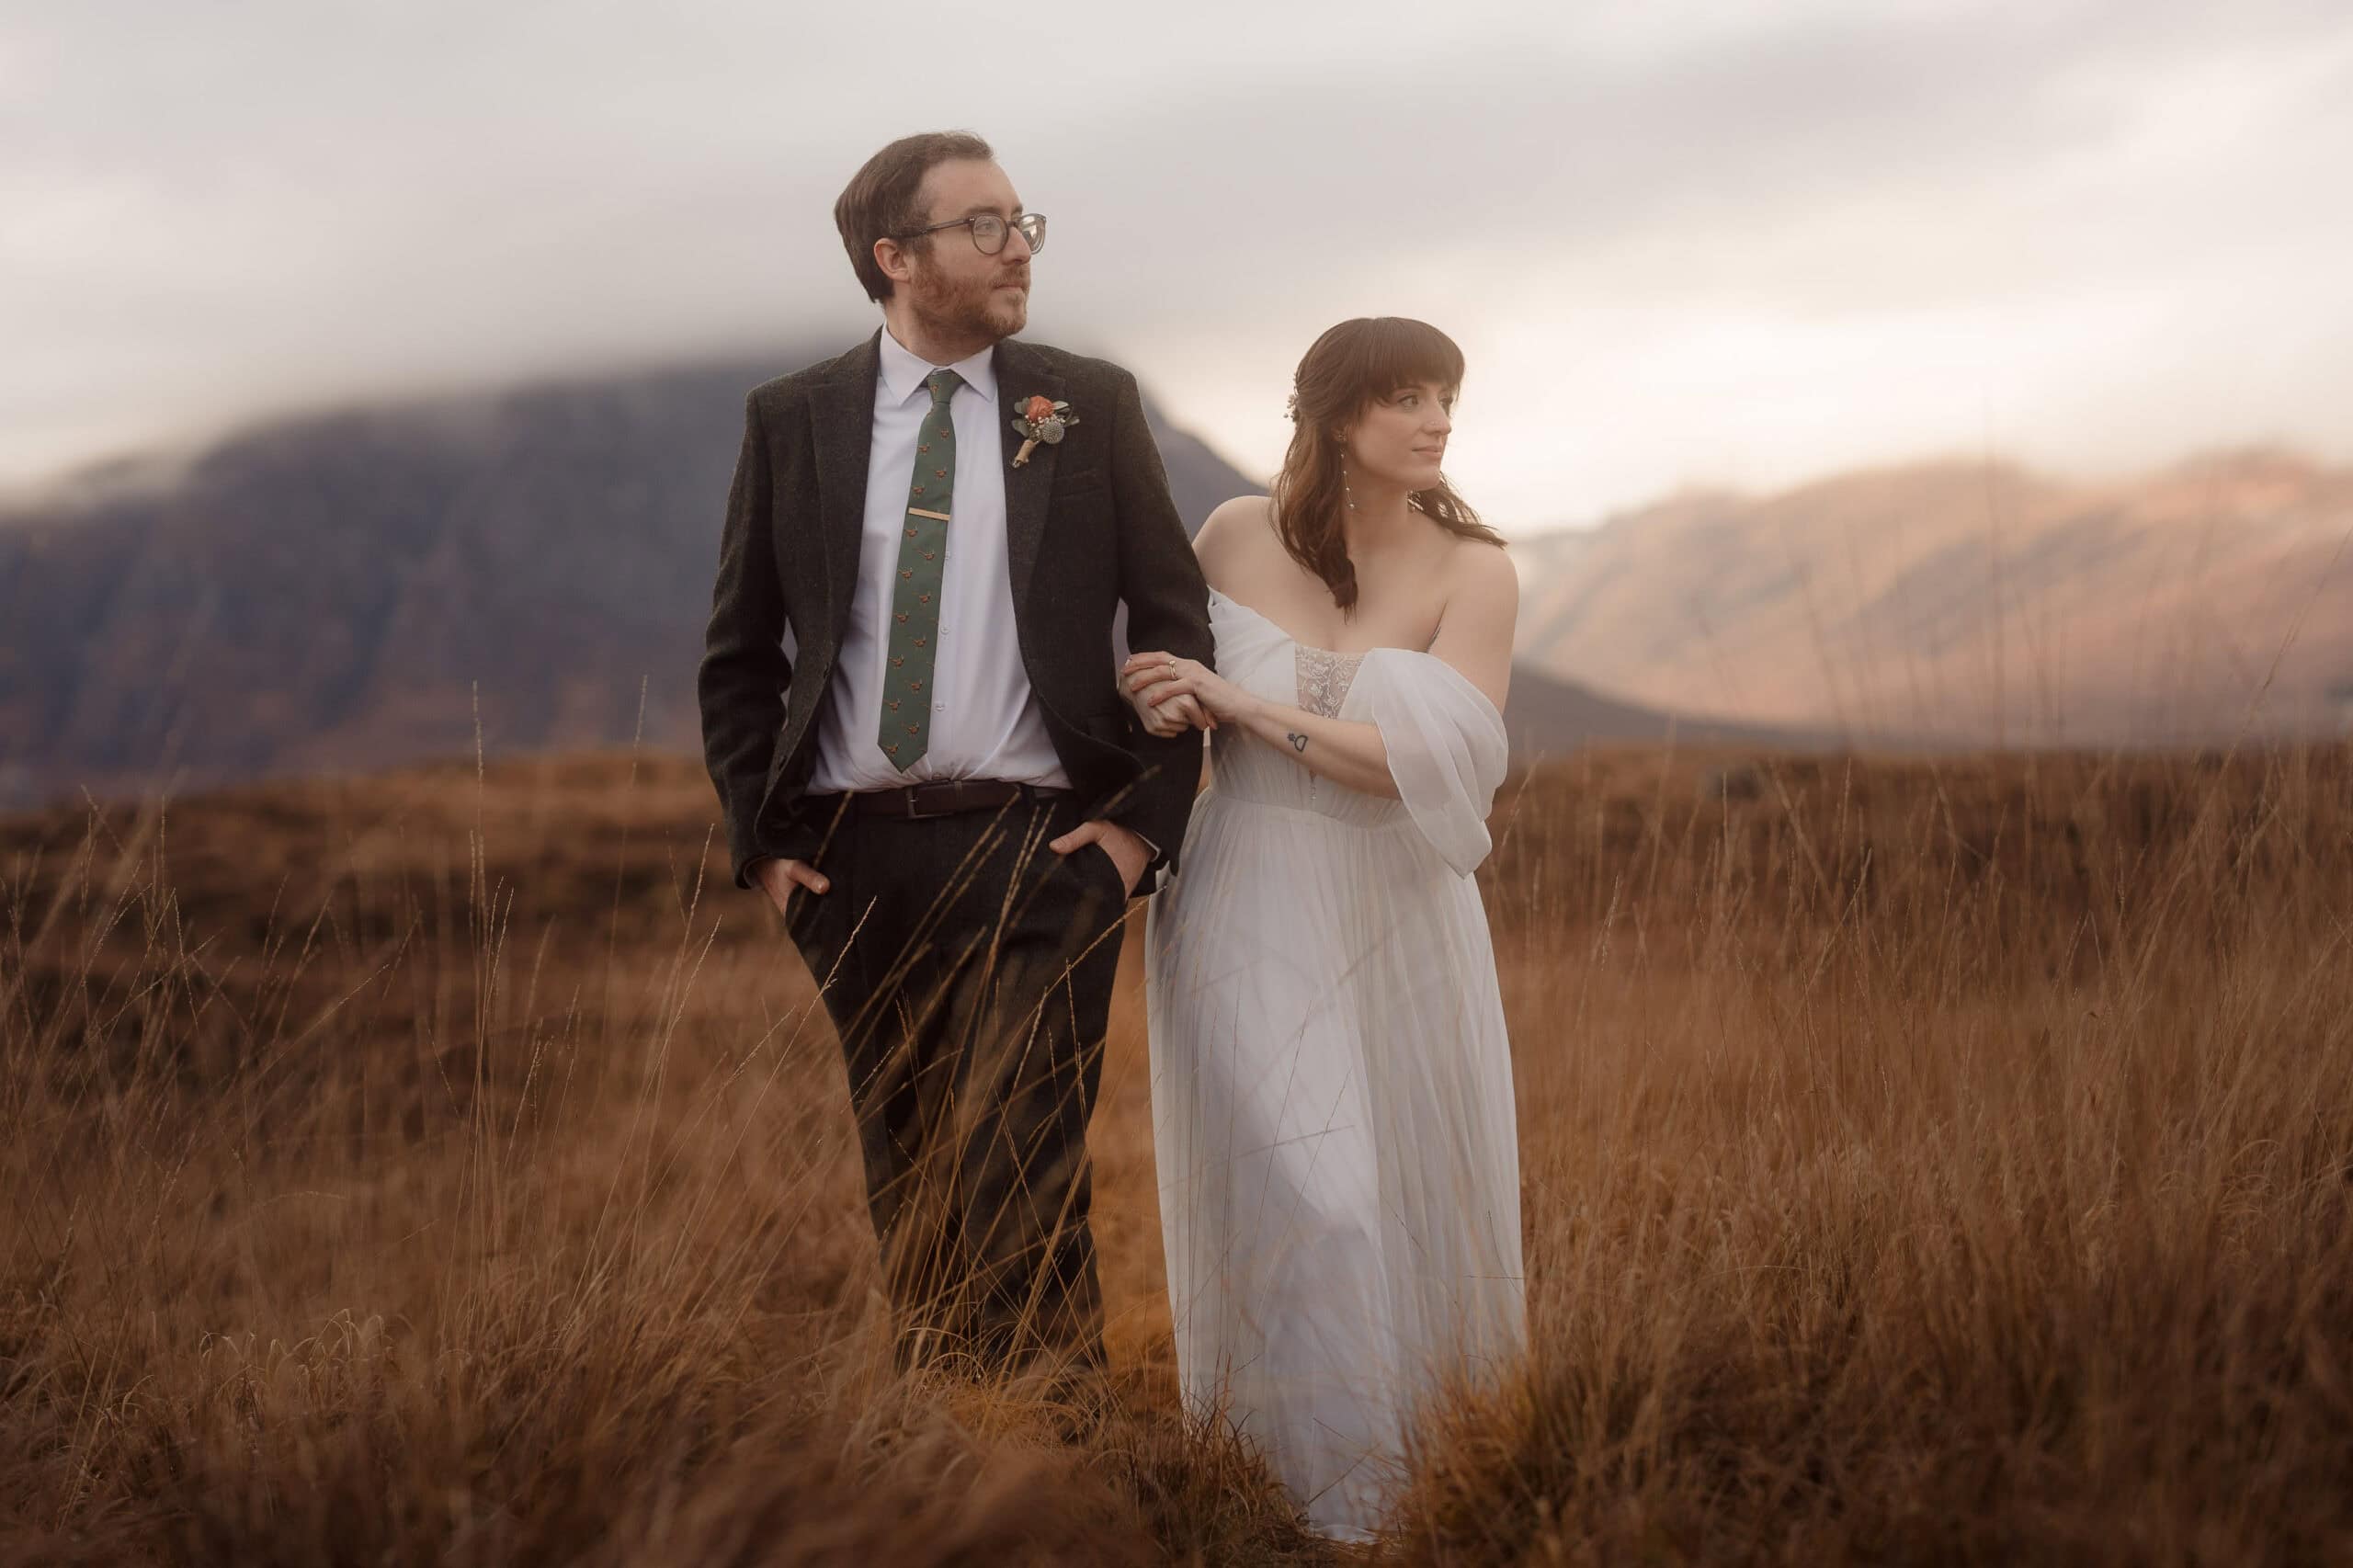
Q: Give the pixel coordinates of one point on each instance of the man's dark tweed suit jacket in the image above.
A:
(1088, 523)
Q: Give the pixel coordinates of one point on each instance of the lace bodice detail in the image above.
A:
(1257, 655)
(1323, 678)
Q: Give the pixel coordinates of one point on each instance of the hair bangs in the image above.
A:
(1397, 351)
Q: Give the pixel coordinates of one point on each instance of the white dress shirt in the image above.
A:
(985, 718)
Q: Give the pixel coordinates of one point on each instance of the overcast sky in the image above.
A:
(1716, 243)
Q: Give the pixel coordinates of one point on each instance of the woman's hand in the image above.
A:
(1162, 721)
(1163, 686)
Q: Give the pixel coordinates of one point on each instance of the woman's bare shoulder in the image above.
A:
(1482, 578)
(1480, 559)
(1235, 534)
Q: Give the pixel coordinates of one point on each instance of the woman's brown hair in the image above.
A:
(1345, 371)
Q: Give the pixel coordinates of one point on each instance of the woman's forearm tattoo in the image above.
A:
(1298, 742)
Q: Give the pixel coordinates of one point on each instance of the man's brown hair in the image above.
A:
(882, 198)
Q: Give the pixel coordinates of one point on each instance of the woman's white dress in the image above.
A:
(1331, 1083)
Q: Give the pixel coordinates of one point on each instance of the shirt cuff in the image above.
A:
(1155, 871)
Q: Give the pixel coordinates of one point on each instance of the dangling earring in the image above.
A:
(1345, 493)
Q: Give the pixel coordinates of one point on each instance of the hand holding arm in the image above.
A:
(1180, 714)
(1473, 638)
(1346, 753)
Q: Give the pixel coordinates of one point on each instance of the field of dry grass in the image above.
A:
(1926, 1161)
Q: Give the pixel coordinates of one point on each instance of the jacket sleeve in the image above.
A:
(743, 673)
(1168, 607)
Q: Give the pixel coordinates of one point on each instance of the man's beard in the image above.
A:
(973, 311)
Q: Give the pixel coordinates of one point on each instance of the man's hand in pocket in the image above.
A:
(778, 878)
(1129, 853)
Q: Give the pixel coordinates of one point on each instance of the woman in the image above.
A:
(1331, 1084)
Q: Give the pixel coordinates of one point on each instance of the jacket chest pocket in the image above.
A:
(1089, 486)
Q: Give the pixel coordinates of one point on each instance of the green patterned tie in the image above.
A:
(914, 598)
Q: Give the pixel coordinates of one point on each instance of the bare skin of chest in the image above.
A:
(1398, 602)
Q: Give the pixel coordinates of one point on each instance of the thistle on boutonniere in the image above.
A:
(1041, 419)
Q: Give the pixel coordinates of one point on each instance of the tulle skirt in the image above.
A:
(1333, 1123)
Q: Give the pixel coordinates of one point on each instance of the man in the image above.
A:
(943, 788)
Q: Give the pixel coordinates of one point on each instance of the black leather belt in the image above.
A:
(936, 797)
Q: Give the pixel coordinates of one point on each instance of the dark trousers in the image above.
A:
(969, 971)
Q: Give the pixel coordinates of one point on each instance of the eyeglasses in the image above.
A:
(989, 231)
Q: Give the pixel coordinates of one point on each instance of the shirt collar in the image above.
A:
(902, 371)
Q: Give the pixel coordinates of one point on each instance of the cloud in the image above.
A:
(1716, 240)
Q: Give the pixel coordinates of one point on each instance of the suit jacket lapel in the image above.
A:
(842, 425)
(1021, 375)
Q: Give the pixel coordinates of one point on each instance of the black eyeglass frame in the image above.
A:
(1033, 227)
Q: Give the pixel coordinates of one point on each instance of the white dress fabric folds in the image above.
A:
(1331, 1083)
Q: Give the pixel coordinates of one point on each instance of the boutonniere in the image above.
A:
(1041, 419)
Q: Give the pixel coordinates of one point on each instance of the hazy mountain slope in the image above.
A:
(1975, 600)
(329, 591)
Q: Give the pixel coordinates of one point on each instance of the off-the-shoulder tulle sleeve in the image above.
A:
(1244, 637)
(1446, 748)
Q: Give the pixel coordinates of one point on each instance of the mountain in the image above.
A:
(1978, 603)
(352, 590)
(1546, 716)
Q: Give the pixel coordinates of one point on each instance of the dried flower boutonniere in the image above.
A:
(1041, 419)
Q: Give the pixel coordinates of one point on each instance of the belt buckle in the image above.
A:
(914, 811)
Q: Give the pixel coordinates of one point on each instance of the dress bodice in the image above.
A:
(1444, 741)
(1259, 656)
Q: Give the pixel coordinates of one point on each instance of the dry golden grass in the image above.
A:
(1924, 1162)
